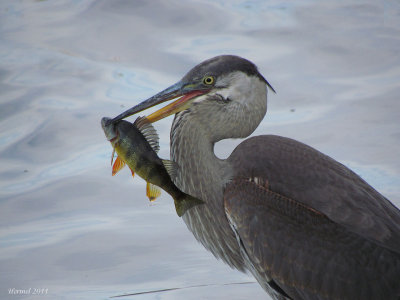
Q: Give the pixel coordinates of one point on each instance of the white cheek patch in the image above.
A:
(240, 87)
(201, 98)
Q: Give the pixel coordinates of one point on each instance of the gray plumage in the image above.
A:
(332, 232)
(303, 224)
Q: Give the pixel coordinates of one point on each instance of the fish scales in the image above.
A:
(137, 145)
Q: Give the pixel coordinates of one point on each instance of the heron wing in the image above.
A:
(302, 254)
(297, 171)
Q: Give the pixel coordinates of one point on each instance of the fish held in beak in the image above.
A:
(137, 146)
(108, 128)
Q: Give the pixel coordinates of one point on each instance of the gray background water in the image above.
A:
(69, 227)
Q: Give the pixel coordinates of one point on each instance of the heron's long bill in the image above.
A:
(174, 107)
(174, 91)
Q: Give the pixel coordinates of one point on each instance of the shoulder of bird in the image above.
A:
(308, 177)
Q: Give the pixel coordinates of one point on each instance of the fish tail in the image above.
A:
(185, 202)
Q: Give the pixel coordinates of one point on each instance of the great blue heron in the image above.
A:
(304, 225)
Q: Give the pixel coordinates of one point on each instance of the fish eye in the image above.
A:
(208, 80)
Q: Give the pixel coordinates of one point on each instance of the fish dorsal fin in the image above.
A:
(148, 131)
(171, 167)
(152, 191)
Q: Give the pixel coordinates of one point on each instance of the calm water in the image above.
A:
(69, 227)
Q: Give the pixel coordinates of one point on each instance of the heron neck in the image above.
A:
(203, 175)
(193, 149)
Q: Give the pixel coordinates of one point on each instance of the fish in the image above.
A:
(136, 145)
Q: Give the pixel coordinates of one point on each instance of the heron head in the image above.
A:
(227, 89)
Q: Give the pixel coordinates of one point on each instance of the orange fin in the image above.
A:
(133, 173)
(152, 191)
(118, 165)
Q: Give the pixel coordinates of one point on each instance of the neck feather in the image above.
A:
(203, 175)
(200, 170)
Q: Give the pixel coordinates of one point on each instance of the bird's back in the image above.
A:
(310, 225)
(308, 176)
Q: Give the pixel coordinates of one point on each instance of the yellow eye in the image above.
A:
(208, 80)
